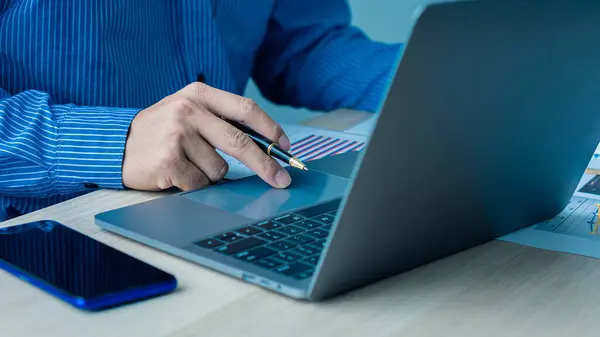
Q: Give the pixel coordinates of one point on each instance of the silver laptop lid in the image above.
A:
(490, 121)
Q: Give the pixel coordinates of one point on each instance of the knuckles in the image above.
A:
(237, 140)
(182, 107)
(176, 125)
(248, 107)
(199, 89)
(163, 183)
(170, 157)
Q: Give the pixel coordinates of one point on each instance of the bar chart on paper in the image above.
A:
(579, 218)
(307, 144)
(575, 230)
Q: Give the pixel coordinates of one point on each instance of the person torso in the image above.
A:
(128, 53)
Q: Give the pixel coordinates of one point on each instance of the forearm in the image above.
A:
(344, 69)
(312, 57)
(48, 149)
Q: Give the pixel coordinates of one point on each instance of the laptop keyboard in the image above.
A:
(290, 244)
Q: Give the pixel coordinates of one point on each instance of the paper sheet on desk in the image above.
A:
(307, 144)
(575, 230)
(595, 161)
(364, 128)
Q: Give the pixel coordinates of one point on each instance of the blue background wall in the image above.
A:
(383, 20)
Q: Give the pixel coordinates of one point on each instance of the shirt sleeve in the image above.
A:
(312, 57)
(49, 149)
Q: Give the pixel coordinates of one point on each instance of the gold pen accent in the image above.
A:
(294, 162)
(269, 149)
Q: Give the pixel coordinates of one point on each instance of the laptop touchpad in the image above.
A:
(255, 199)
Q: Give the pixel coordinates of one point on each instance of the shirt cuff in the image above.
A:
(91, 146)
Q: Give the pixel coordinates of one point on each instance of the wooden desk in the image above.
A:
(496, 289)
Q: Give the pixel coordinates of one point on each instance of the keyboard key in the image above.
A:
(312, 260)
(268, 225)
(255, 254)
(291, 230)
(304, 275)
(288, 219)
(239, 246)
(318, 233)
(287, 256)
(300, 239)
(324, 218)
(308, 224)
(320, 209)
(292, 269)
(272, 235)
(234, 238)
(229, 237)
(306, 250)
(318, 244)
(333, 213)
(209, 243)
(268, 263)
(249, 230)
(327, 227)
(282, 245)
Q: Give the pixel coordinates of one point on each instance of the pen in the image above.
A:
(270, 148)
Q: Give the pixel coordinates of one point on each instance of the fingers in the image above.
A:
(204, 156)
(237, 144)
(241, 109)
(186, 176)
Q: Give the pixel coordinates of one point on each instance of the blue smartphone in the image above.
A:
(77, 268)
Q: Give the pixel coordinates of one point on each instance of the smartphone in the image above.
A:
(77, 268)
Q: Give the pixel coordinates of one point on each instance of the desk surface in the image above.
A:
(496, 289)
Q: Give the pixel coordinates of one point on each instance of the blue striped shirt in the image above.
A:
(74, 73)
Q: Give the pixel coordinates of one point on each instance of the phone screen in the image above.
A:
(76, 266)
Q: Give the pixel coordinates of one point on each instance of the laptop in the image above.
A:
(491, 117)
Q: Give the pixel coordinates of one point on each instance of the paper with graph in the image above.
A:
(307, 144)
(575, 230)
(595, 161)
(579, 218)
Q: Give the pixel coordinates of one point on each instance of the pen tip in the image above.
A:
(294, 162)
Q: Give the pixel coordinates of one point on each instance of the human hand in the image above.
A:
(172, 143)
